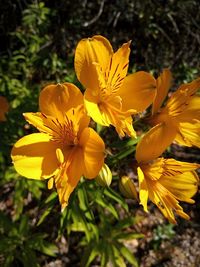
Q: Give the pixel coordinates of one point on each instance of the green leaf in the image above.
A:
(84, 204)
(49, 202)
(128, 236)
(38, 243)
(125, 223)
(79, 218)
(23, 227)
(117, 259)
(89, 255)
(116, 197)
(101, 200)
(126, 254)
(28, 257)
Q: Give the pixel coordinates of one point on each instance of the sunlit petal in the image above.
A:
(143, 189)
(183, 186)
(34, 156)
(189, 134)
(55, 100)
(93, 109)
(137, 91)
(93, 152)
(89, 51)
(163, 83)
(155, 141)
(179, 100)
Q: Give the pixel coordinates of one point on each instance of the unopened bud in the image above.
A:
(127, 187)
(104, 178)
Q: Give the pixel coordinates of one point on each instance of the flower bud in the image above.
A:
(127, 187)
(104, 178)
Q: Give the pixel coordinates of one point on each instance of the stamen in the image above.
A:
(50, 183)
(59, 155)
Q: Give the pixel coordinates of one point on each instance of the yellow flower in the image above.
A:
(178, 120)
(166, 182)
(4, 106)
(111, 97)
(66, 148)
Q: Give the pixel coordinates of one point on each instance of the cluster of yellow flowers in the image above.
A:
(67, 148)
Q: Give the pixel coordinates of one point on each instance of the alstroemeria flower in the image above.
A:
(66, 148)
(178, 120)
(4, 106)
(111, 97)
(166, 182)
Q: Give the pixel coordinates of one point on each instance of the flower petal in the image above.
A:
(34, 156)
(182, 186)
(155, 141)
(93, 109)
(189, 134)
(163, 84)
(55, 100)
(88, 51)
(179, 100)
(118, 67)
(137, 91)
(143, 189)
(93, 152)
(192, 110)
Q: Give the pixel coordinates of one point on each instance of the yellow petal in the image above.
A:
(164, 200)
(155, 141)
(143, 189)
(137, 91)
(93, 152)
(41, 122)
(189, 134)
(93, 109)
(55, 100)
(118, 67)
(34, 156)
(172, 165)
(180, 99)
(182, 186)
(4, 106)
(163, 84)
(89, 51)
(69, 176)
(192, 111)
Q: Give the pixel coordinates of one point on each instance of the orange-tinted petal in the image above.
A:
(155, 141)
(89, 51)
(34, 156)
(179, 100)
(55, 100)
(117, 68)
(93, 152)
(192, 111)
(137, 91)
(163, 84)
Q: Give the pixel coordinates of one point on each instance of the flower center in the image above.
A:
(66, 133)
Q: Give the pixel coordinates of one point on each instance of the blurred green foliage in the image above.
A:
(38, 39)
(162, 233)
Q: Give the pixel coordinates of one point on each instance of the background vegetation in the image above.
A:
(38, 39)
